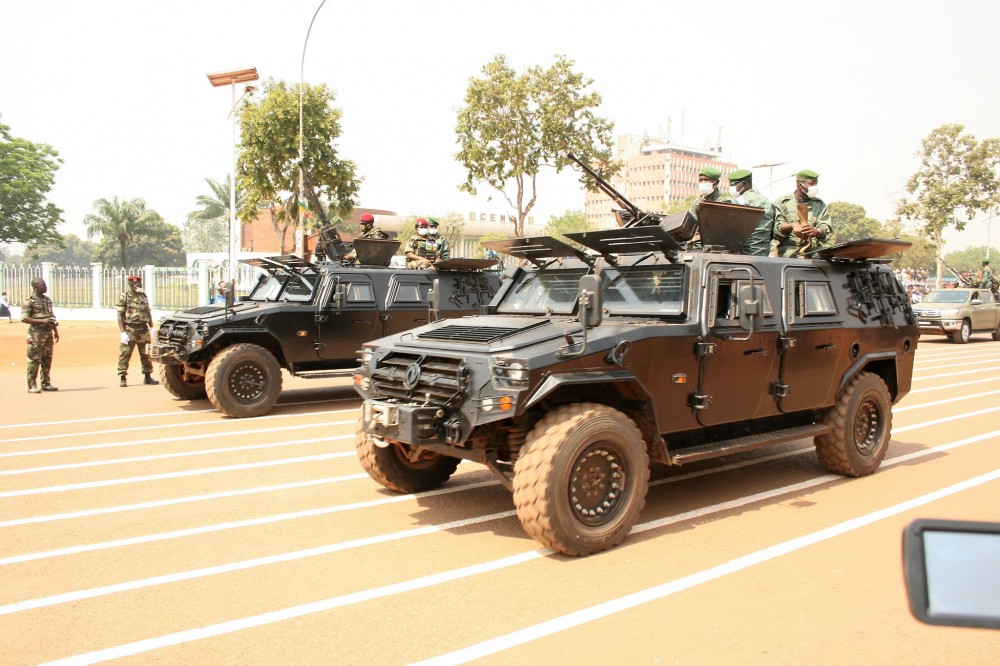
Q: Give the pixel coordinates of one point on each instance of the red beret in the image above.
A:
(421, 222)
(367, 218)
(134, 278)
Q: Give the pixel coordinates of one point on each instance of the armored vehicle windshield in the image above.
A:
(283, 286)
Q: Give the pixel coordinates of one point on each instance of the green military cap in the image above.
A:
(806, 174)
(742, 174)
(711, 172)
(986, 261)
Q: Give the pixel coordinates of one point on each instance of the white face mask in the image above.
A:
(705, 188)
(734, 191)
(813, 191)
(422, 231)
(434, 231)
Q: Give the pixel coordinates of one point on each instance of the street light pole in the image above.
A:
(770, 166)
(301, 230)
(231, 79)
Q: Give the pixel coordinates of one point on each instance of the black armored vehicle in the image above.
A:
(308, 318)
(590, 364)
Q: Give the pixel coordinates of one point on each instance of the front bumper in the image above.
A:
(167, 354)
(938, 326)
(410, 424)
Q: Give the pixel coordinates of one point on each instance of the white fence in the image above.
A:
(98, 287)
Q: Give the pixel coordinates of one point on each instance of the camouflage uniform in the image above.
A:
(786, 212)
(428, 247)
(135, 308)
(41, 339)
(374, 233)
(759, 242)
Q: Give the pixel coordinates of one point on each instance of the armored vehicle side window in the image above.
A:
(725, 309)
(814, 298)
(410, 292)
(543, 292)
(360, 292)
(655, 290)
(297, 289)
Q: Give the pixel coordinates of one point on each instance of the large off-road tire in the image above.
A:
(862, 425)
(996, 332)
(172, 378)
(392, 467)
(243, 380)
(581, 479)
(962, 335)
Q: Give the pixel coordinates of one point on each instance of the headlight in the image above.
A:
(950, 312)
(509, 374)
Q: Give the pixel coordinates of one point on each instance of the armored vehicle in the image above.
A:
(958, 313)
(590, 364)
(308, 318)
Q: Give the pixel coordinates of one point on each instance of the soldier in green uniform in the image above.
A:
(134, 321)
(708, 189)
(986, 276)
(444, 247)
(368, 230)
(742, 192)
(422, 249)
(43, 333)
(801, 219)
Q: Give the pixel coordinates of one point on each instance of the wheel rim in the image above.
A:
(868, 425)
(966, 333)
(598, 483)
(248, 383)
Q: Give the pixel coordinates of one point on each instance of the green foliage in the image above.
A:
(850, 222)
(207, 229)
(27, 173)
(514, 124)
(452, 226)
(70, 251)
(969, 259)
(121, 223)
(267, 166)
(571, 221)
(957, 173)
(157, 243)
(491, 236)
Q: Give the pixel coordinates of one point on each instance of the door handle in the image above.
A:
(827, 347)
(755, 352)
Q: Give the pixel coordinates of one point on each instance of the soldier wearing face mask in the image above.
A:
(708, 189)
(742, 192)
(444, 247)
(801, 219)
(422, 249)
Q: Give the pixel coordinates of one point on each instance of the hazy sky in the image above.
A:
(848, 89)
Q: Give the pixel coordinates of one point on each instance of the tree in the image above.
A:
(514, 124)
(968, 259)
(571, 221)
(27, 173)
(157, 243)
(850, 222)
(267, 165)
(120, 222)
(957, 173)
(71, 250)
(207, 229)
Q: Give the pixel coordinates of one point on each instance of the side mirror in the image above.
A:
(952, 572)
(751, 307)
(589, 298)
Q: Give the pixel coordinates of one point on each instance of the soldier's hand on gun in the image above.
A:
(807, 231)
(124, 338)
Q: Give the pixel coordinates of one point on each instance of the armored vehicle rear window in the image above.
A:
(360, 292)
(544, 292)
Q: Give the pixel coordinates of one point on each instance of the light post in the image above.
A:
(300, 232)
(770, 175)
(231, 79)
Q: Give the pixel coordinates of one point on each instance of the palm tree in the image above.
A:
(121, 220)
(207, 229)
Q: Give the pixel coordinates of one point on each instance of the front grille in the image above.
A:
(173, 333)
(928, 313)
(424, 378)
(458, 332)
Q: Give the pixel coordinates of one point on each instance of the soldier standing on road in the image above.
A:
(134, 321)
(368, 230)
(742, 192)
(708, 189)
(422, 248)
(43, 333)
(801, 219)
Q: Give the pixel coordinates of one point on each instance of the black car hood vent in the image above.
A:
(477, 333)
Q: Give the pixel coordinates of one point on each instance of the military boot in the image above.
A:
(49, 387)
(33, 389)
(149, 380)
(121, 381)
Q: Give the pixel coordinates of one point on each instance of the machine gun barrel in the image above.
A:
(607, 188)
(332, 244)
(965, 282)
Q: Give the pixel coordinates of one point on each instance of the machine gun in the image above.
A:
(330, 244)
(964, 281)
(681, 227)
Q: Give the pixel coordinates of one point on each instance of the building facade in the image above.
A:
(655, 174)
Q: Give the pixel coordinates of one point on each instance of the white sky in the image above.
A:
(848, 88)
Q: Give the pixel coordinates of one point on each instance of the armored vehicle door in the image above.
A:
(738, 365)
(812, 343)
(982, 313)
(406, 302)
(350, 317)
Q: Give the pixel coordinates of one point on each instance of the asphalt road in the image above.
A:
(139, 528)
